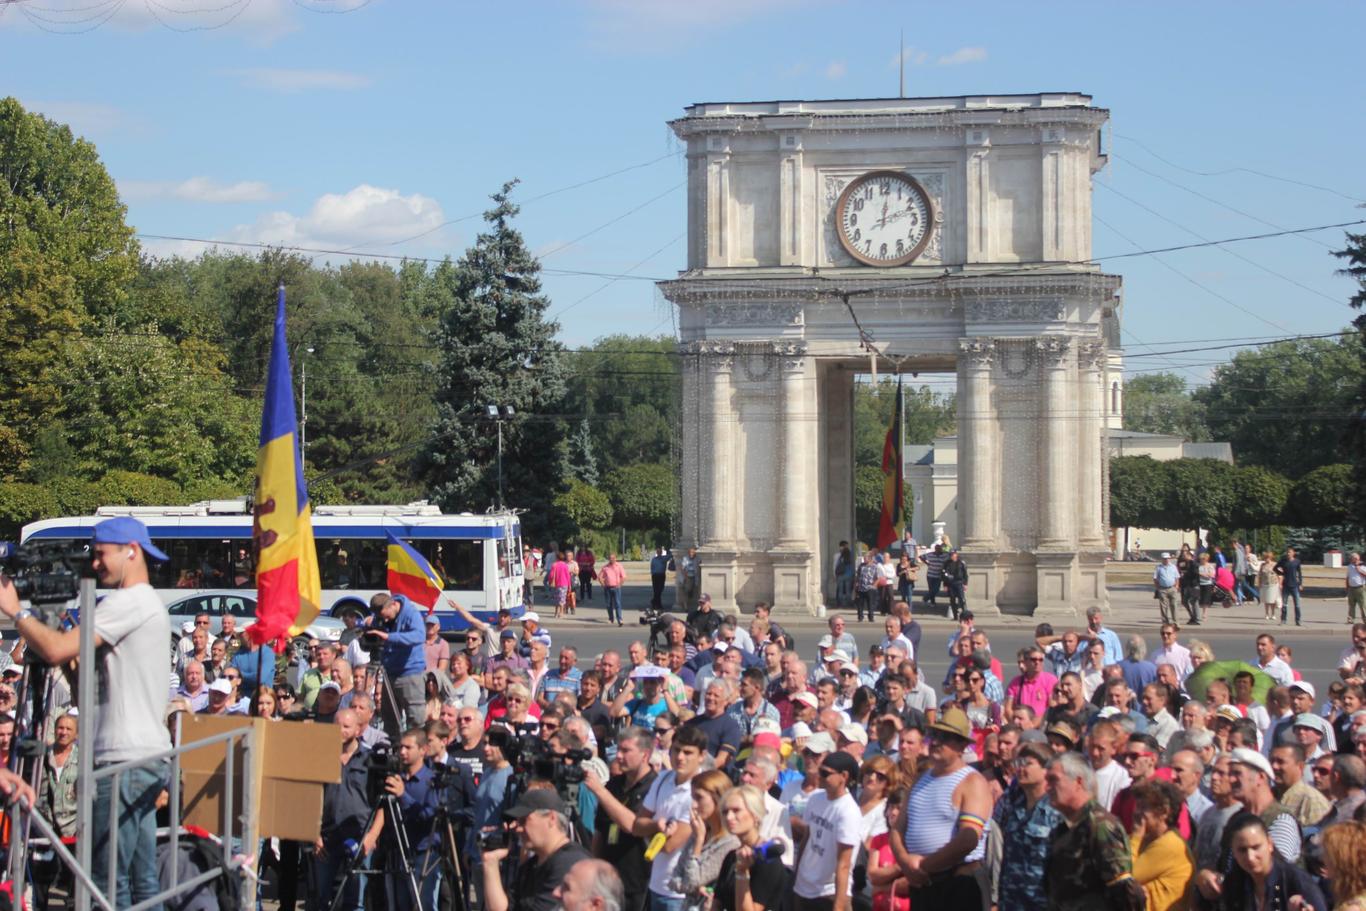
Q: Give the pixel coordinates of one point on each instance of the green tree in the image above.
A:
(585, 506)
(1138, 493)
(1261, 497)
(1355, 436)
(928, 414)
(1200, 494)
(497, 347)
(1282, 405)
(66, 257)
(583, 464)
(644, 497)
(1160, 403)
(1318, 498)
(628, 387)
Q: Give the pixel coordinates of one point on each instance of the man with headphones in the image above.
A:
(132, 628)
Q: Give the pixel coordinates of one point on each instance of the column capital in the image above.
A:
(977, 352)
(1052, 350)
(718, 354)
(1092, 355)
(792, 355)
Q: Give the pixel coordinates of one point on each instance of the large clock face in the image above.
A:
(884, 218)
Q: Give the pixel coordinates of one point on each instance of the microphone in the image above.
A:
(769, 851)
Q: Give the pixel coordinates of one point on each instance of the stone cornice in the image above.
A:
(822, 121)
(757, 292)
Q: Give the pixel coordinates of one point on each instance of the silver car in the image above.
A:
(242, 605)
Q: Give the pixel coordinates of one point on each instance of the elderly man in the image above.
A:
(1161, 724)
(193, 689)
(1165, 578)
(563, 679)
(590, 885)
(782, 694)
(1188, 770)
(946, 814)
(761, 771)
(1298, 796)
(1137, 669)
(1088, 855)
(1250, 780)
(895, 637)
(532, 631)
(1173, 652)
(723, 733)
(1346, 787)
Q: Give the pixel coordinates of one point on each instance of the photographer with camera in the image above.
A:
(542, 825)
(411, 782)
(489, 798)
(396, 628)
(132, 629)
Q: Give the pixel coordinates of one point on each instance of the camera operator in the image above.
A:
(542, 825)
(489, 796)
(417, 801)
(614, 841)
(398, 625)
(345, 811)
(131, 632)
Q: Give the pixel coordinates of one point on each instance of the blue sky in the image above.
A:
(317, 123)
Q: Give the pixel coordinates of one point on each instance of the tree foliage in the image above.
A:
(1320, 498)
(928, 414)
(1160, 403)
(1261, 497)
(627, 388)
(1138, 492)
(644, 497)
(585, 506)
(497, 348)
(1354, 255)
(1200, 494)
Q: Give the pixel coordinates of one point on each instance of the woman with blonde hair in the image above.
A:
(700, 865)
(1269, 584)
(1344, 864)
(747, 882)
(1200, 652)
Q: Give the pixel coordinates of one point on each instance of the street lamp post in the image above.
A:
(498, 414)
(303, 403)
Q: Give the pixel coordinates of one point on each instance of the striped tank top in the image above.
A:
(931, 819)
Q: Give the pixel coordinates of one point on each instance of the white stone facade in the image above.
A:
(777, 319)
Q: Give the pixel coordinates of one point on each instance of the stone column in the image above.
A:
(796, 452)
(716, 366)
(1091, 358)
(1055, 445)
(978, 479)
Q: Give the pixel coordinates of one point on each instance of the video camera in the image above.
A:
(379, 765)
(46, 573)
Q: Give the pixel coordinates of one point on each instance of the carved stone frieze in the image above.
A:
(1092, 355)
(792, 355)
(1016, 311)
(711, 354)
(1052, 350)
(746, 314)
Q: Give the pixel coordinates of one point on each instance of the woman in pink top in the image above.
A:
(561, 578)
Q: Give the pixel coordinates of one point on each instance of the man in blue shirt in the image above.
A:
(1165, 578)
(564, 679)
(659, 571)
(399, 625)
(417, 801)
(1114, 652)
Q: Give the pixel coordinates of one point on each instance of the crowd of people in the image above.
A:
(723, 765)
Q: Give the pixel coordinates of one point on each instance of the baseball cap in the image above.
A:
(801, 729)
(508, 634)
(14, 669)
(1228, 712)
(825, 641)
(1304, 686)
(433, 620)
(838, 654)
(1166, 556)
(953, 721)
(703, 597)
(330, 685)
(126, 530)
(805, 699)
(535, 801)
(767, 726)
(221, 685)
(841, 762)
(187, 627)
(854, 733)
(1244, 756)
(531, 617)
(820, 742)
(768, 740)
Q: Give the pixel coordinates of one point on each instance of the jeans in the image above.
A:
(1288, 592)
(585, 585)
(865, 600)
(957, 599)
(905, 590)
(326, 869)
(934, 582)
(613, 596)
(664, 903)
(844, 589)
(1248, 590)
(135, 870)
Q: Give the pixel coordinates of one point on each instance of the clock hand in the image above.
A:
(883, 222)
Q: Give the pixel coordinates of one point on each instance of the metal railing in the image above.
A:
(88, 892)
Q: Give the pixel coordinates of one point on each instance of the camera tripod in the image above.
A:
(447, 857)
(392, 815)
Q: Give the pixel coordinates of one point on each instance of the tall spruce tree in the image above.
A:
(1355, 256)
(497, 348)
(583, 460)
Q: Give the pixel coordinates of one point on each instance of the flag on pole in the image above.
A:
(893, 506)
(411, 575)
(288, 587)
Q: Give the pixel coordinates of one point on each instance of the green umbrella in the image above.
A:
(1199, 681)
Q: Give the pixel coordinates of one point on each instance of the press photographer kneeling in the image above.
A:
(542, 825)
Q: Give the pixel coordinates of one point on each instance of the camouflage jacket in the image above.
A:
(1084, 859)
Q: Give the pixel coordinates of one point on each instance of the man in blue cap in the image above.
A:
(132, 628)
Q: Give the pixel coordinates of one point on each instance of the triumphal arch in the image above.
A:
(828, 239)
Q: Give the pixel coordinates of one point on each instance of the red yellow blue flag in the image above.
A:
(893, 488)
(288, 587)
(411, 575)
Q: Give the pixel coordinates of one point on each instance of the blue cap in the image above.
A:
(126, 530)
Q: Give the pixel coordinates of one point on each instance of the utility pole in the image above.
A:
(901, 65)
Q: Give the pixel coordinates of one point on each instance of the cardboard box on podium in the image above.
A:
(291, 762)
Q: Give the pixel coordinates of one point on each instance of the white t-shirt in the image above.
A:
(1278, 671)
(666, 800)
(831, 824)
(1110, 780)
(135, 628)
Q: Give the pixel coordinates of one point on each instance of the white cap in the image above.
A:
(1305, 686)
(187, 627)
(1166, 556)
(221, 685)
(769, 726)
(838, 654)
(854, 733)
(1244, 756)
(820, 742)
(806, 699)
(800, 730)
(649, 672)
(825, 641)
(330, 685)
(531, 616)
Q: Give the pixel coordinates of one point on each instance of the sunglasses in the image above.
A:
(874, 773)
(1138, 755)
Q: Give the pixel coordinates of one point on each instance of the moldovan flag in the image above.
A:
(411, 575)
(288, 587)
(893, 507)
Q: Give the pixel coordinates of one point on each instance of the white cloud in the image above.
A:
(911, 56)
(836, 70)
(362, 216)
(197, 189)
(963, 55)
(279, 79)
